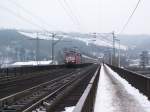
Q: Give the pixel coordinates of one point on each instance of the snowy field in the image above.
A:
(117, 95)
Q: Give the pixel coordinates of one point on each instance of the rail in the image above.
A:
(52, 99)
(87, 100)
(11, 98)
(29, 99)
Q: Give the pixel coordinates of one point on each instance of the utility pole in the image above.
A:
(93, 40)
(114, 50)
(110, 56)
(53, 43)
(37, 48)
(119, 54)
(52, 53)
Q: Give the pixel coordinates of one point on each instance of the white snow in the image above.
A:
(69, 109)
(134, 63)
(100, 41)
(34, 36)
(89, 57)
(32, 63)
(117, 95)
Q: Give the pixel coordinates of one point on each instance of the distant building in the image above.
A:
(144, 59)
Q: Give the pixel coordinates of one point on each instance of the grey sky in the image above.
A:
(94, 15)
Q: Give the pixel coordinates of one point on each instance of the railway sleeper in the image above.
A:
(52, 102)
(31, 99)
(12, 98)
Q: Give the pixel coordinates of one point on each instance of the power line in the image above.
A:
(30, 13)
(22, 18)
(130, 17)
(70, 16)
(72, 13)
(68, 13)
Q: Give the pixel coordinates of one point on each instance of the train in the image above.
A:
(73, 57)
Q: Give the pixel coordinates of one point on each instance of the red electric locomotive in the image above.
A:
(72, 57)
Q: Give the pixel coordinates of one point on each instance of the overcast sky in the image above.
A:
(93, 15)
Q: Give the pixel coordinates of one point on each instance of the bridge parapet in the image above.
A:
(87, 100)
(139, 81)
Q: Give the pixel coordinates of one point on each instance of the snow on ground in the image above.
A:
(32, 63)
(34, 36)
(69, 109)
(100, 41)
(89, 57)
(134, 63)
(117, 95)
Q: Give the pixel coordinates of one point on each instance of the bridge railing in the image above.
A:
(139, 81)
(25, 70)
(87, 100)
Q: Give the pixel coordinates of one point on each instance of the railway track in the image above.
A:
(45, 94)
(71, 100)
(15, 77)
(48, 103)
(20, 85)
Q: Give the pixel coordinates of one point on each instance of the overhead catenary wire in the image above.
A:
(69, 14)
(22, 18)
(30, 13)
(130, 17)
(72, 13)
(28, 21)
(68, 10)
(25, 19)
